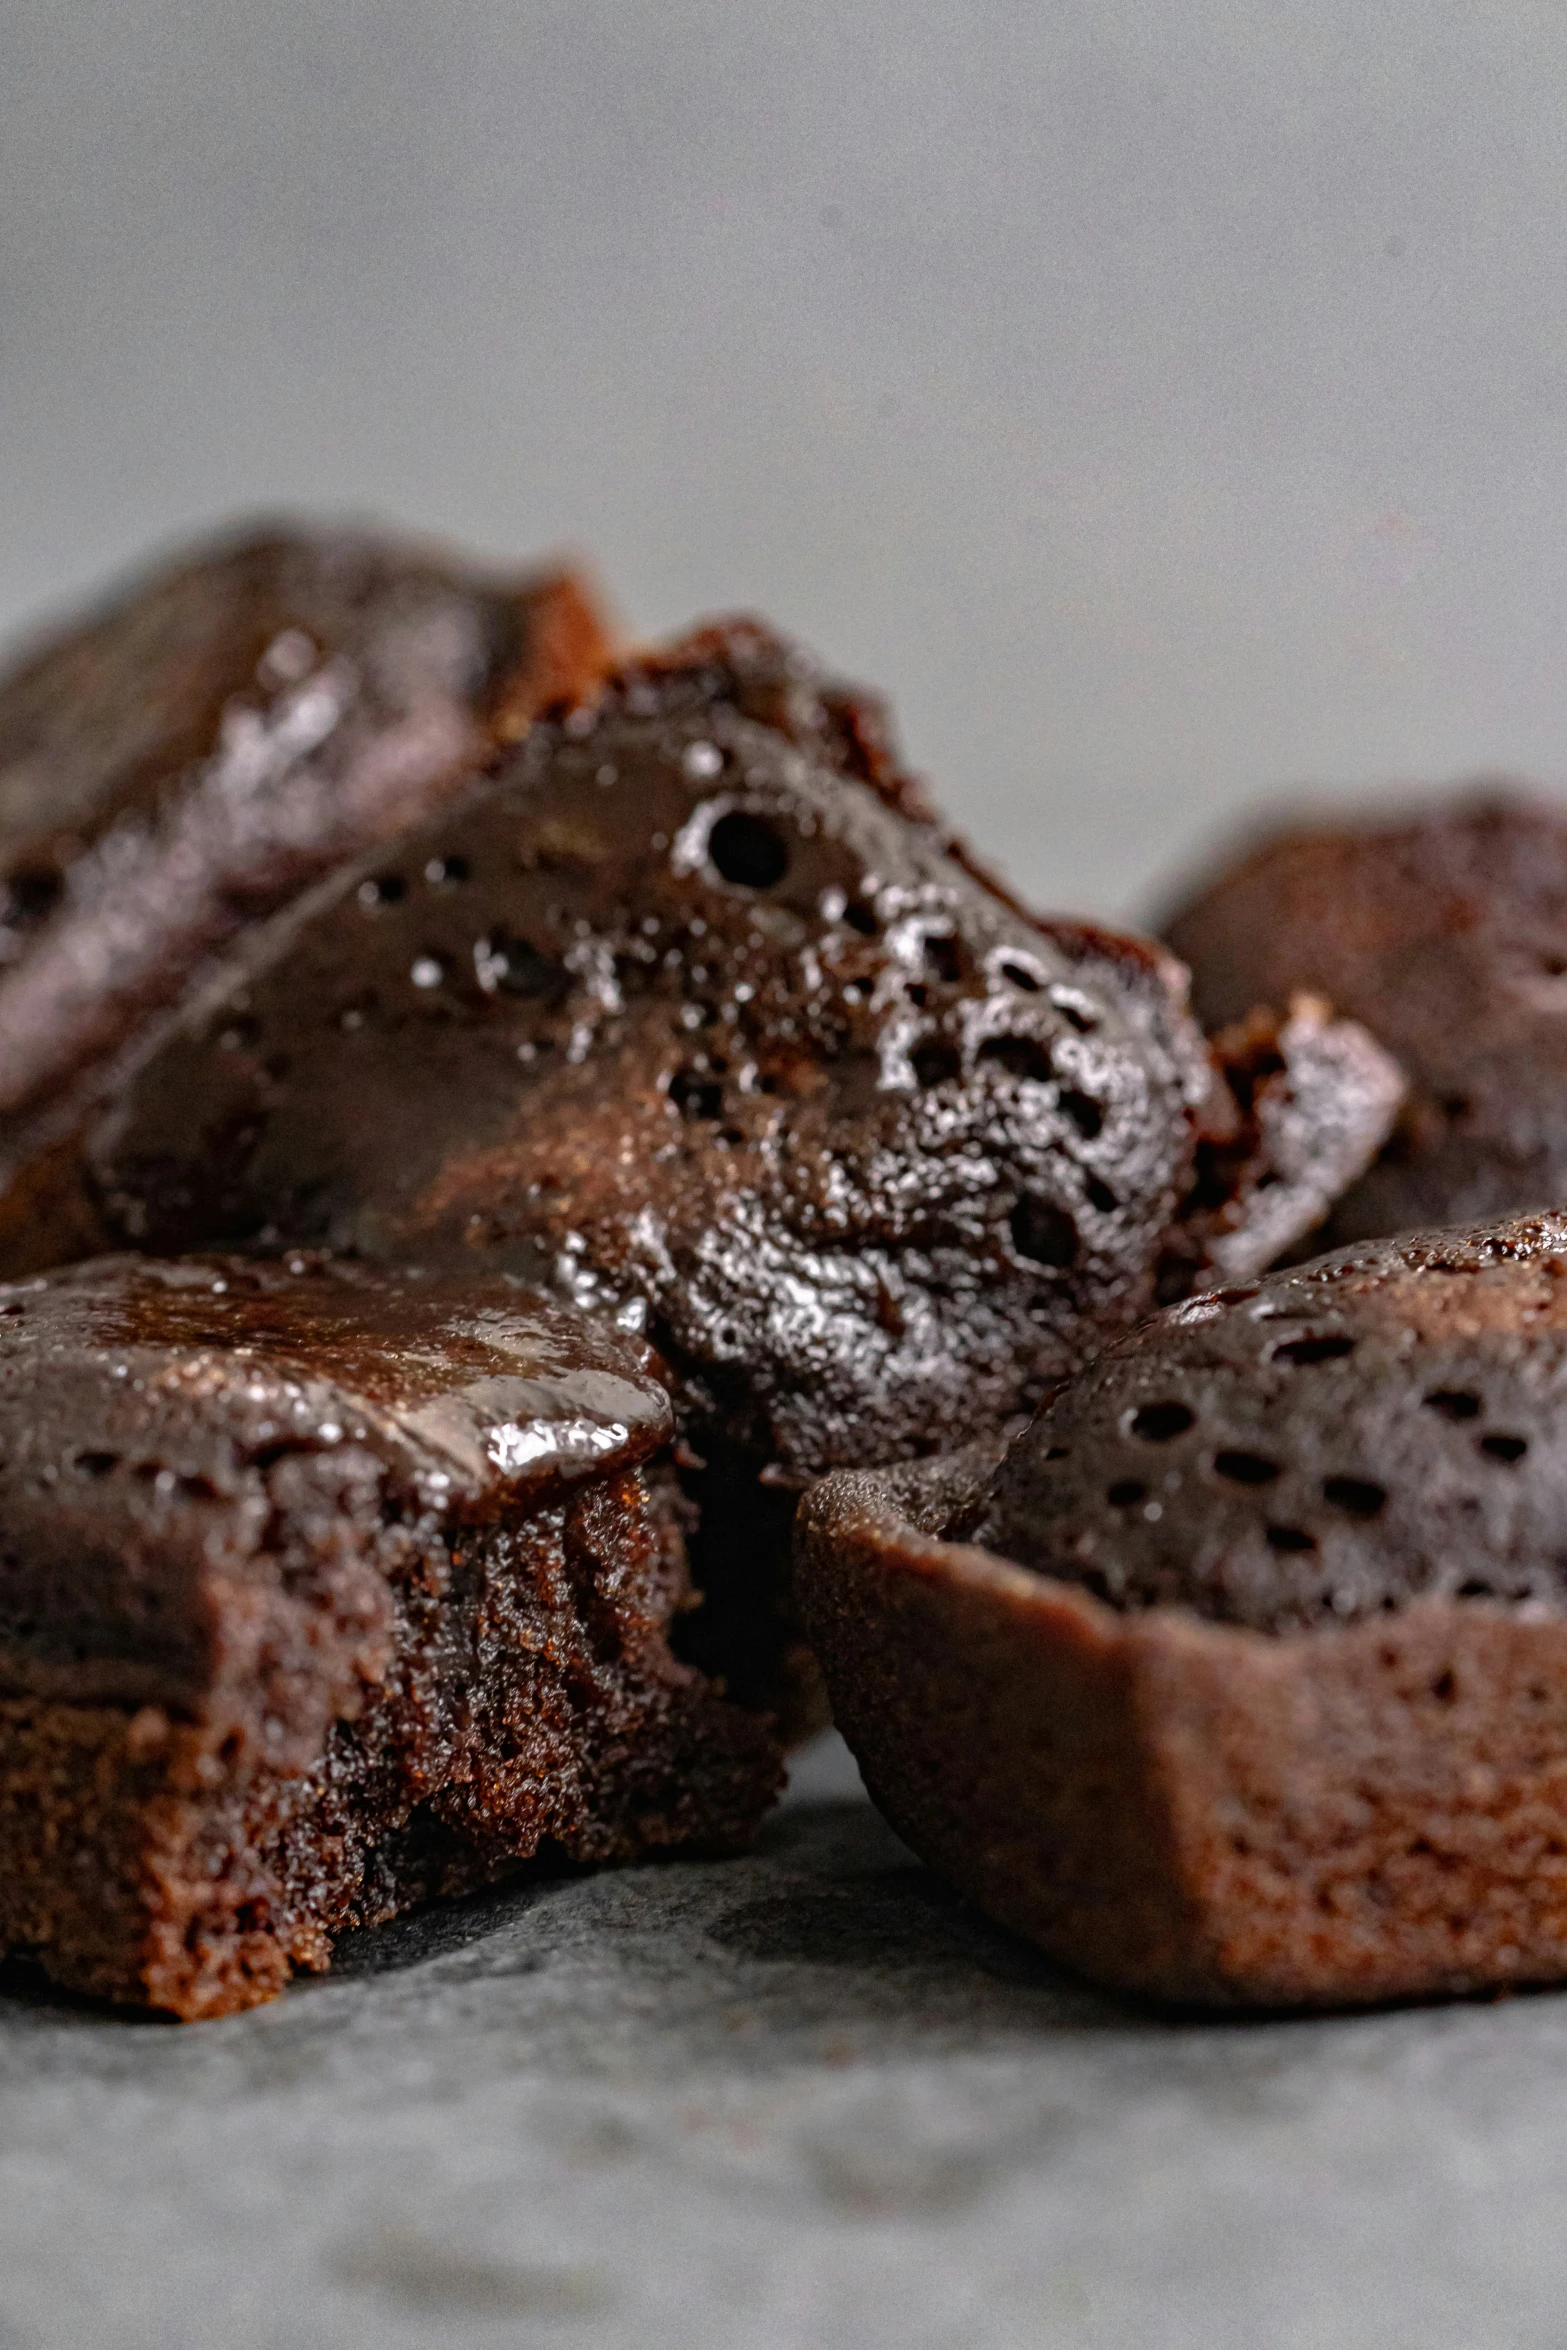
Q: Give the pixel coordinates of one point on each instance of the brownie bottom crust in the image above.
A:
(1192, 1810)
(529, 1712)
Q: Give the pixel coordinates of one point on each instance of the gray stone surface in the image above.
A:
(798, 2101)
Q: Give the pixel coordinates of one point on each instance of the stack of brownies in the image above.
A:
(489, 1119)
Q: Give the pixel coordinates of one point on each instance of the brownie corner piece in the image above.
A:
(323, 1592)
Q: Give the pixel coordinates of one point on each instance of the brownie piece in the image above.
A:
(211, 742)
(324, 1591)
(1241, 1678)
(1444, 929)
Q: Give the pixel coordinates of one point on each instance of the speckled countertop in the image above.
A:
(790, 2102)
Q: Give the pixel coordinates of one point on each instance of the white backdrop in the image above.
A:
(1166, 404)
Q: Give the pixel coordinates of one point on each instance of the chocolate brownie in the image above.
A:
(323, 1591)
(1444, 929)
(1241, 1678)
(191, 757)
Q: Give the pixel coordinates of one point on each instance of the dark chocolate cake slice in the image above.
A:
(205, 747)
(1443, 929)
(324, 1591)
(1242, 1676)
(692, 1010)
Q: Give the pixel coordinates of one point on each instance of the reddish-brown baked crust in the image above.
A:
(1194, 1810)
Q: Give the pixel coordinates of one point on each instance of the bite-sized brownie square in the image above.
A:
(324, 1591)
(1443, 927)
(1241, 1678)
(191, 756)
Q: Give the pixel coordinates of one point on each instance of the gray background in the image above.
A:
(1166, 405)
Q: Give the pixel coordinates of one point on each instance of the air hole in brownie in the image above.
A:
(1157, 1423)
(1444, 1688)
(1245, 1468)
(937, 1063)
(1358, 1495)
(943, 956)
(1454, 1403)
(1084, 1112)
(862, 918)
(32, 892)
(1475, 1587)
(1075, 1015)
(1455, 1105)
(1504, 1448)
(446, 872)
(1125, 1491)
(198, 1488)
(1302, 1351)
(1021, 1056)
(267, 1456)
(1020, 976)
(747, 850)
(1290, 1538)
(232, 1748)
(385, 889)
(694, 1095)
(1057, 1452)
(1043, 1233)
(96, 1464)
(1100, 1195)
(516, 967)
(918, 994)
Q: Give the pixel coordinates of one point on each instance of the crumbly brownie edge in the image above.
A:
(532, 1711)
(1196, 1812)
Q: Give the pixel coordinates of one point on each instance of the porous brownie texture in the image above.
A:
(200, 750)
(324, 1591)
(1443, 928)
(1241, 1678)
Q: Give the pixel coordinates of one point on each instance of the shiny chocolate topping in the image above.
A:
(194, 1371)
